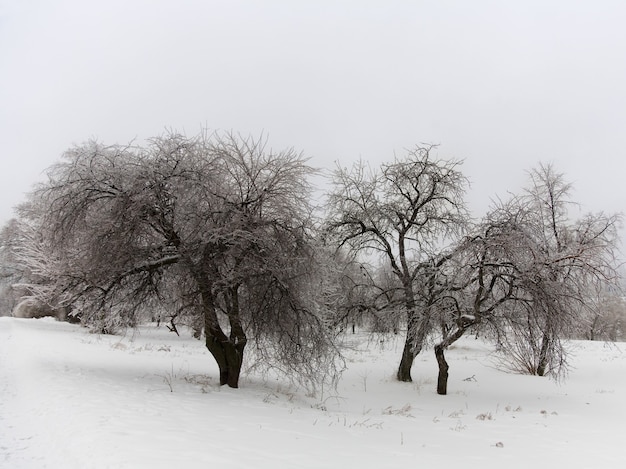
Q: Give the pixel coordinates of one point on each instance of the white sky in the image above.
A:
(500, 84)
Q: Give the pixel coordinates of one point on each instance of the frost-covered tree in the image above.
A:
(526, 274)
(476, 285)
(18, 239)
(10, 273)
(216, 226)
(572, 262)
(402, 214)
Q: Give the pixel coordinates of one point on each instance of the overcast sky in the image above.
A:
(500, 84)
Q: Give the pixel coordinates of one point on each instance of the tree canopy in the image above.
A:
(215, 227)
(217, 232)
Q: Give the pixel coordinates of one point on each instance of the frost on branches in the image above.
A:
(214, 229)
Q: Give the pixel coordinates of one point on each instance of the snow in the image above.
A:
(150, 399)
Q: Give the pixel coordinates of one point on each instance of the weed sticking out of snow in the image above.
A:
(404, 411)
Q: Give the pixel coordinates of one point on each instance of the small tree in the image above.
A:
(215, 226)
(402, 213)
(473, 285)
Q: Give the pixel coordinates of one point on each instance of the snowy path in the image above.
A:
(75, 400)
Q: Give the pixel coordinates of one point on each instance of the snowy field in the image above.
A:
(70, 399)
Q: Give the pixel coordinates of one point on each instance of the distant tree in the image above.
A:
(402, 214)
(15, 275)
(9, 269)
(606, 321)
(216, 227)
(351, 297)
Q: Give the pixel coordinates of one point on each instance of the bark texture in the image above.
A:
(442, 378)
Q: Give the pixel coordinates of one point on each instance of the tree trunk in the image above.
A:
(229, 358)
(412, 347)
(544, 355)
(442, 379)
(228, 352)
(408, 356)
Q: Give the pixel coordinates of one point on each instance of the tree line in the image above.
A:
(221, 233)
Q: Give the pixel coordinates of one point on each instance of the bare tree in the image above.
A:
(402, 213)
(215, 226)
(474, 284)
(526, 274)
(575, 260)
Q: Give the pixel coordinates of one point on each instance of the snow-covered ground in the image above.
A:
(70, 399)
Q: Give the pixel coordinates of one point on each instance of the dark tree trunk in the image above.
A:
(412, 347)
(228, 352)
(408, 356)
(442, 378)
(229, 358)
